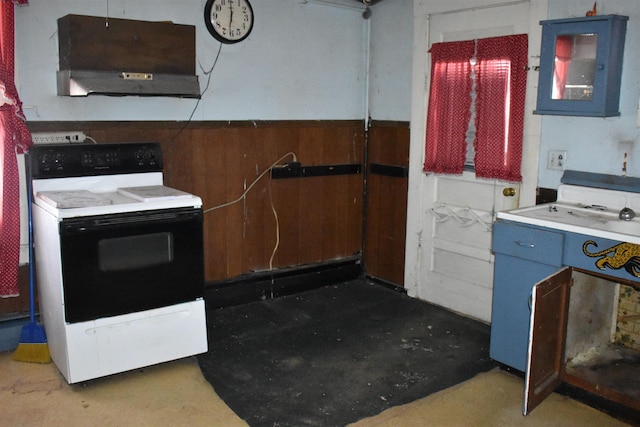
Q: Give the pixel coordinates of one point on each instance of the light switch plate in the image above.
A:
(556, 159)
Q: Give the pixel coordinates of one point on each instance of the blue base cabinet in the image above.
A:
(512, 308)
(524, 256)
(535, 270)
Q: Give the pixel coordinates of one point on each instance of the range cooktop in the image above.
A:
(585, 209)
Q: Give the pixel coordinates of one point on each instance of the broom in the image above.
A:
(33, 345)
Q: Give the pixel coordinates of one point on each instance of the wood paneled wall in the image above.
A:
(386, 205)
(318, 218)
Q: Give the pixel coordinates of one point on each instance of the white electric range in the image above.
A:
(586, 210)
(118, 256)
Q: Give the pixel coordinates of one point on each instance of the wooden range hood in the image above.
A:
(109, 56)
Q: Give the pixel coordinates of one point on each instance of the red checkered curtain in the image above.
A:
(449, 107)
(500, 87)
(14, 138)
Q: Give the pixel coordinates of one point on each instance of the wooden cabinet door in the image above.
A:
(547, 333)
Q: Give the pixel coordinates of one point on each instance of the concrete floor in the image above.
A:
(176, 394)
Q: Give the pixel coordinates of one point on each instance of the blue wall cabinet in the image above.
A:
(581, 66)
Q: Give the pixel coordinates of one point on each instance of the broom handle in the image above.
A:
(32, 305)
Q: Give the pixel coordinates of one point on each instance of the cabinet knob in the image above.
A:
(509, 192)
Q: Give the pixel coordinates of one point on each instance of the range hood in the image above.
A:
(120, 57)
(83, 83)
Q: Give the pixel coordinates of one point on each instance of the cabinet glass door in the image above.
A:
(574, 67)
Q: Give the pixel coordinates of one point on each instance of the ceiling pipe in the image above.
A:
(361, 7)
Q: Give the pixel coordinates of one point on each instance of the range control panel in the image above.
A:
(73, 160)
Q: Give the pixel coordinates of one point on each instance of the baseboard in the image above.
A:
(387, 284)
(272, 284)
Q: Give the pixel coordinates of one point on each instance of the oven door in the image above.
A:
(130, 262)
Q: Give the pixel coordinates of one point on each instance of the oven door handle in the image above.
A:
(87, 224)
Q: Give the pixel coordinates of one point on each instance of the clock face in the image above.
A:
(229, 21)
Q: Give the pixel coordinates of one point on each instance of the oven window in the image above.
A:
(135, 252)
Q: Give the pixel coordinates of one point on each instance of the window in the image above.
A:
(476, 107)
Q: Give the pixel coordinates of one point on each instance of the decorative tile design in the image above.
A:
(628, 326)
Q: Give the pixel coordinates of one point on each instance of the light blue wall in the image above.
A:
(598, 144)
(307, 61)
(302, 61)
(391, 58)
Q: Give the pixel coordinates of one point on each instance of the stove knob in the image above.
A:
(626, 214)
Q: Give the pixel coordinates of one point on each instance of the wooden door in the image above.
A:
(547, 336)
(456, 268)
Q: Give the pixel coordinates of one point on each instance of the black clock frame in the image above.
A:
(210, 27)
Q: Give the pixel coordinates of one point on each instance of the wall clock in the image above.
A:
(229, 21)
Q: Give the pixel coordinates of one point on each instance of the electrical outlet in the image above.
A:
(57, 137)
(557, 159)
